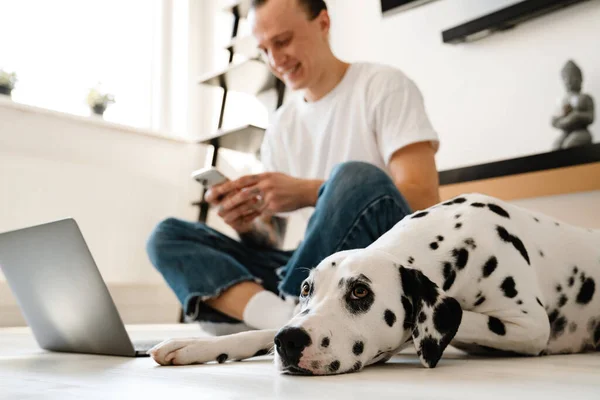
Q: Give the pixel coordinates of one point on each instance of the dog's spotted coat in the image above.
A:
(475, 272)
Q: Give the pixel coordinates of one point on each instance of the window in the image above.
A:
(61, 48)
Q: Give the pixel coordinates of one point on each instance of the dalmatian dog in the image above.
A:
(475, 272)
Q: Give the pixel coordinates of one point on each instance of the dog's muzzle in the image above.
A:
(290, 342)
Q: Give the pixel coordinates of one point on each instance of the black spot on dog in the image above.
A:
(457, 216)
(408, 318)
(315, 364)
(470, 242)
(222, 358)
(496, 326)
(541, 253)
(539, 302)
(524, 312)
(575, 270)
(457, 226)
(333, 263)
(356, 367)
(420, 215)
(418, 286)
(572, 327)
(519, 302)
(426, 329)
(479, 302)
(422, 317)
(490, 266)
(411, 260)
(552, 316)
(558, 327)
(334, 366)
(508, 287)
(325, 342)
(449, 276)
(479, 294)
(562, 300)
(582, 277)
(440, 238)
(390, 317)
(461, 256)
(586, 292)
(459, 200)
(571, 281)
(358, 306)
(557, 224)
(430, 351)
(477, 205)
(536, 220)
(447, 316)
(515, 241)
(261, 352)
(498, 210)
(358, 348)
(559, 288)
(433, 245)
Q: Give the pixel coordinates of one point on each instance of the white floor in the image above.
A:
(26, 372)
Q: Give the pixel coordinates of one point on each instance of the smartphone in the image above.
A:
(209, 176)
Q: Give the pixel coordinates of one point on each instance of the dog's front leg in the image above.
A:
(222, 348)
(527, 335)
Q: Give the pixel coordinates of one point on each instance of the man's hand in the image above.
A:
(268, 193)
(241, 220)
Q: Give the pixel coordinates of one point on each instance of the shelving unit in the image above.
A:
(236, 77)
(251, 76)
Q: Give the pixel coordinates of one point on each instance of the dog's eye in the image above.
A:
(359, 292)
(305, 290)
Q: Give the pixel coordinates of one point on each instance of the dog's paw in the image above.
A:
(181, 352)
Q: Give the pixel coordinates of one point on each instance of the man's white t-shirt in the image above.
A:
(374, 111)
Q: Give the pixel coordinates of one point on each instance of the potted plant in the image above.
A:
(7, 82)
(99, 101)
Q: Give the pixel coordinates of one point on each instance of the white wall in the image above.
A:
(117, 183)
(491, 99)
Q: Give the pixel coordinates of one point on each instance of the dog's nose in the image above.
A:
(290, 342)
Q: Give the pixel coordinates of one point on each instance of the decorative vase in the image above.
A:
(5, 90)
(99, 109)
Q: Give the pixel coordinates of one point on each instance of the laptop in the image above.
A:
(61, 293)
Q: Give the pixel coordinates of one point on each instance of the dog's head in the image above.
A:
(358, 307)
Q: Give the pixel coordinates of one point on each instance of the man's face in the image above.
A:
(290, 42)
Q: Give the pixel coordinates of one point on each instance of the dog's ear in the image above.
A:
(433, 316)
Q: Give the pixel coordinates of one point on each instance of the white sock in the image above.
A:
(267, 311)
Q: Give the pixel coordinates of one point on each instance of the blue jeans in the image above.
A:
(355, 206)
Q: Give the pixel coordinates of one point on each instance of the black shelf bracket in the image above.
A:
(503, 19)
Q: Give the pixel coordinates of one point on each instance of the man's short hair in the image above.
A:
(312, 7)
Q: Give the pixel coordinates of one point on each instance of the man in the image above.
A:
(356, 145)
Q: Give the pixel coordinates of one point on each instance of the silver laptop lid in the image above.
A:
(62, 296)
